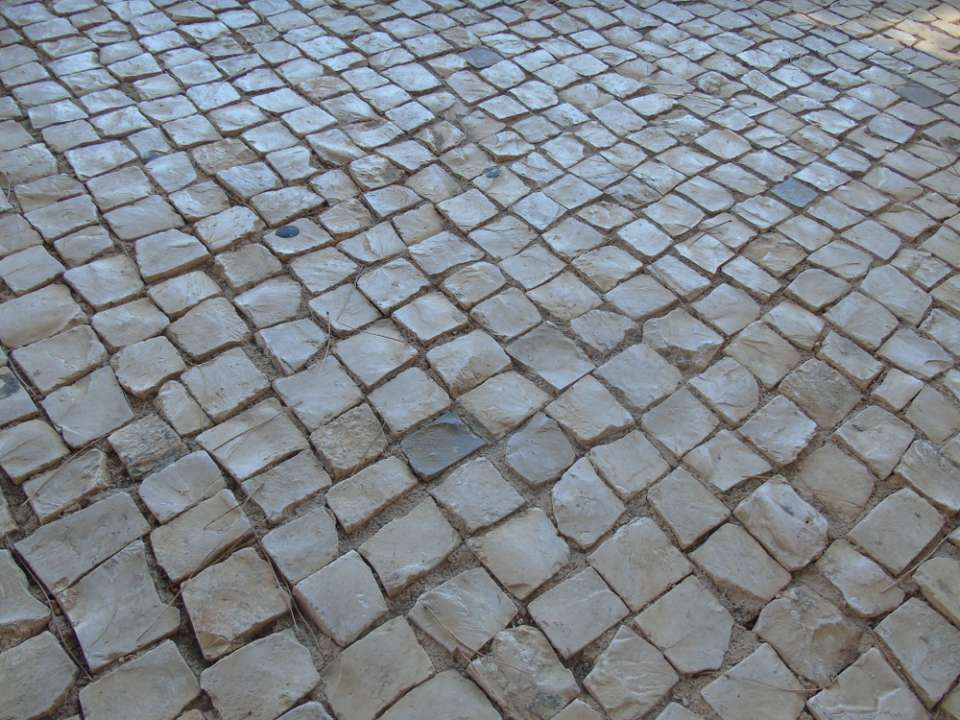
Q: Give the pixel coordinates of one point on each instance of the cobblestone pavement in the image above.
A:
(465, 360)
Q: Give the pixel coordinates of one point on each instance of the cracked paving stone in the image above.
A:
(758, 686)
(630, 677)
(523, 674)
(689, 625)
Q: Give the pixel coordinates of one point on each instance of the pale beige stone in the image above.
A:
(260, 680)
(758, 686)
(160, 680)
(639, 562)
(785, 524)
(375, 670)
(231, 601)
(35, 677)
(22, 615)
(810, 633)
(926, 645)
(115, 609)
(358, 498)
(464, 613)
(939, 580)
(739, 565)
(866, 588)
(584, 507)
(195, 539)
(411, 546)
(523, 675)
(868, 687)
(523, 552)
(577, 611)
(630, 677)
(342, 599)
(62, 551)
(689, 625)
(446, 696)
(897, 529)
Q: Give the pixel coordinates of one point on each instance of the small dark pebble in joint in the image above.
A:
(288, 231)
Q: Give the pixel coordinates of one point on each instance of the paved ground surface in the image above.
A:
(441, 360)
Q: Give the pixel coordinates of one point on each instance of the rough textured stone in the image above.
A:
(260, 680)
(160, 680)
(232, 600)
(35, 677)
(464, 613)
(523, 552)
(758, 686)
(373, 672)
(630, 677)
(523, 674)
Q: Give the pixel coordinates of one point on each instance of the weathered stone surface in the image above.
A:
(688, 508)
(374, 671)
(523, 675)
(589, 411)
(584, 507)
(780, 430)
(464, 613)
(639, 562)
(577, 611)
(343, 598)
(411, 546)
(232, 600)
(260, 680)
(115, 609)
(146, 445)
(690, 627)
(447, 696)
(523, 552)
(810, 633)
(897, 529)
(160, 680)
(630, 677)
(785, 524)
(758, 686)
(253, 439)
(195, 539)
(28, 448)
(282, 488)
(350, 441)
(89, 409)
(739, 565)
(926, 646)
(22, 615)
(865, 587)
(477, 494)
(64, 550)
(38, 315)
(180, 485)
(304, 545)
(358, 498)
(35, 677)
(872, 687)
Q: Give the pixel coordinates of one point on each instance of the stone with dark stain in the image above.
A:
(919, 94)
(481, 57)
(437, 446)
